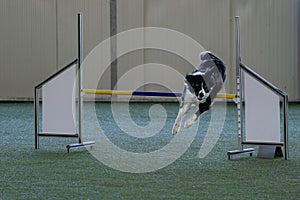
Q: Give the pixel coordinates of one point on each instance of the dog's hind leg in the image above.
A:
(182, 111)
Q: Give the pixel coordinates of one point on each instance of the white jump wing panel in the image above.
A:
(262, 118)
(59, 103)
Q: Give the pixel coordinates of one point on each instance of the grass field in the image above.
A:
(51, 173)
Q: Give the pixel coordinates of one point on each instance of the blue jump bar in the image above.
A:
(156, 94)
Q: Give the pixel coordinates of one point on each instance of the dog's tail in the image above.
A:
(209, 56)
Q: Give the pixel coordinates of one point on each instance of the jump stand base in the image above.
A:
(269, 152)
(244, 151)
(78, 145)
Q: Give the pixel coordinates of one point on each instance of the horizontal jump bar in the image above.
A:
(146, 93)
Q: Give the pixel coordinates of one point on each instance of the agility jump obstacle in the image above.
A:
(261, 128)
(59, 101)
(262, 111)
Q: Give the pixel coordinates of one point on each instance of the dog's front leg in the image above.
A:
(202, 108)
(182, 111)
(177, 123)
(193, 118)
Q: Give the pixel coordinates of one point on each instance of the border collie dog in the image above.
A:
(200, 88)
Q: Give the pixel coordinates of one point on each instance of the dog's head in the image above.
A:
(196, 82)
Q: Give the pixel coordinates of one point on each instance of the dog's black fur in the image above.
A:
(201, 87)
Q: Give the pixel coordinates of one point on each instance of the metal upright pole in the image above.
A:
(80, 93)
(36, 118)
(79, 43)
(113, 43)
(239, 82)
(285, 124)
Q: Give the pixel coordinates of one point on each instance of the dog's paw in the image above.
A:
(175, 128)
(190, 122)
(174, 131)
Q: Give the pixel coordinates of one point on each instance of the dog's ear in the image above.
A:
(194, 80)
(190, 78)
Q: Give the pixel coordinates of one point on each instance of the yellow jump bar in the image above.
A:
(226, 96)
(108, 92)
(145, 93)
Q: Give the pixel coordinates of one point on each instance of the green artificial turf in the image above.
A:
(51, 173)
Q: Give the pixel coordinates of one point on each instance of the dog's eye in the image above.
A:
(205, 88)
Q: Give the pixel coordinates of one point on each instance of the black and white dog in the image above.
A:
(201, 87)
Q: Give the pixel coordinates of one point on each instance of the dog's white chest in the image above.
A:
(190, 97)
